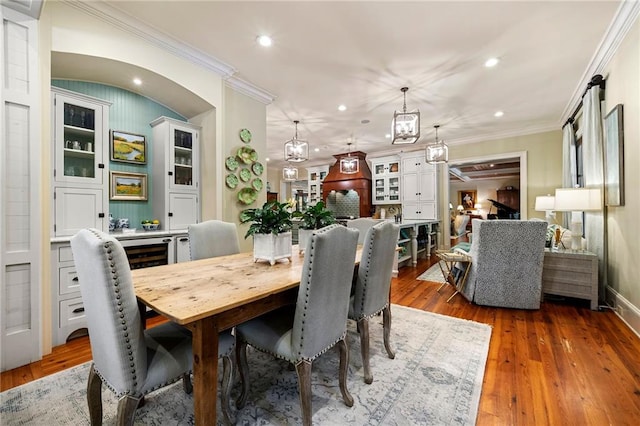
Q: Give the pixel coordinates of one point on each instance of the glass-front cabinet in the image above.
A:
(182, 156)
(79, 139)
(386, 180)
(315, 177)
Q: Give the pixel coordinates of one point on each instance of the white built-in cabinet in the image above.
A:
(315, 177)
(385, 173)
(176, 174)
(419, 188)
(80, 162)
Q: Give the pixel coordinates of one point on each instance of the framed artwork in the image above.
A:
(128, 186)
(614, 157)
(128, 147)
(467, 199)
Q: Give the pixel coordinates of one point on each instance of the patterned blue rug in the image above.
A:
(435, 379)
(434, 274)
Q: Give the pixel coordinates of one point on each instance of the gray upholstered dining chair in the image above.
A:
(129, 360)
(213, 238)
(362, 224)
(371, 285)
(318, 321)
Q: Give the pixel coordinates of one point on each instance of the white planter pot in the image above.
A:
(272, 247)
(303, 237)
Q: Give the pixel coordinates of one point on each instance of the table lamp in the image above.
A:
(576, 201)
(547, 204)
(460, 208)
(477, 207)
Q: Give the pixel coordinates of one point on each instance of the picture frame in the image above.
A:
(128, 186)
(467, 199)
(128, 147)
(614, 157)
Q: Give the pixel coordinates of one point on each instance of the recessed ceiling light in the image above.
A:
(266, 159)
(137, 81)
(317, 149)
(388, 136)
(342, 107)
(264, 40)
(498, 114)
(491, 62)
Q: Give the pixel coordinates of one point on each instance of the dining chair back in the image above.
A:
(372, 285)
(213, 238)
(316, 323)
(362, 224)
(130, 360)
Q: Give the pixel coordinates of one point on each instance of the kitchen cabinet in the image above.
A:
(315, 177)
(419, 188)
(176, 175)
(385, 173)
(80, 162)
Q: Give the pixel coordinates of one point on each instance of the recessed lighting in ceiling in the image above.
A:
(342, 107)
(266, 159)
(388, 136)
(137, 81)
(264, 40)
(316, 149)
(498, 114)
(491, 62)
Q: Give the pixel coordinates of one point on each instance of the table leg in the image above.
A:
(205, 370)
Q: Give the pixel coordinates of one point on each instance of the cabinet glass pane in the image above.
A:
(323, 175)
(379, 169)
(183, 157)
(394, 167)
(79, 141)
(379, 183)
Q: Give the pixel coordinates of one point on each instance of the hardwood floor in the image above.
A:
(562, 364)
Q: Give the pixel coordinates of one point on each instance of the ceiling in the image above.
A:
(360, 53)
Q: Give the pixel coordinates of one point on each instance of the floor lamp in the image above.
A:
(577, 201)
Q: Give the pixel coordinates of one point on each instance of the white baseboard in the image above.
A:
(627, 312)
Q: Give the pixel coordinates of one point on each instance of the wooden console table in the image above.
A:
(572, 274)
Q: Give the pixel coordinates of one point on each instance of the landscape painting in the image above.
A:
(128, 186)
(128, 147)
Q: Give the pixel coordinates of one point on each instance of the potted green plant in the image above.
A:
(314, 217)
(271, 230)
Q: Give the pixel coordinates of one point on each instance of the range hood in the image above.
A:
(359, 182)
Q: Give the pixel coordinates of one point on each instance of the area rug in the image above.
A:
(433, 274)
(435, 379)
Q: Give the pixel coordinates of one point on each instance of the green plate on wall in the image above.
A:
(257, 184)
(245, 135)
(247, 155)
(247, 195)
(231, 163)
(231, 180)
(257, 168)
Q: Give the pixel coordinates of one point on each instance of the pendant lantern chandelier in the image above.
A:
(405, 128)
(437, 152)
(290, 173)
(296, 150)
(349, 165)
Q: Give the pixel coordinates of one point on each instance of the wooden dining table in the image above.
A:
(211, 295)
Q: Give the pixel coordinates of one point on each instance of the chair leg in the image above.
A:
(386, 324)
(127, 410)
(186, 383)
(344, 369)
(303, 368)
(243, 370)
(94, 397)
(225, 396)
(363, 327)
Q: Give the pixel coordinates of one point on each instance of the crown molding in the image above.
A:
(622, 22)
(125, 22)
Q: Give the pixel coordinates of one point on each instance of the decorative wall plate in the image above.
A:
(231, 180)
(257, 184)
(245, 175)
(257, 168)
(247, 195)
(247, 155)
(231, 163)
(245, 135)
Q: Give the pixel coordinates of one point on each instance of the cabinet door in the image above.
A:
(76, 209)
(410, 188)
(427, 186)
(183, 253)
(183, 211)
(183, 158)
(78, 141)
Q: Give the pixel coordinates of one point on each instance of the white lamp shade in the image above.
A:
(578, 199)
(405, 127)
(460, 208)
(545, 203)
(477, 206)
